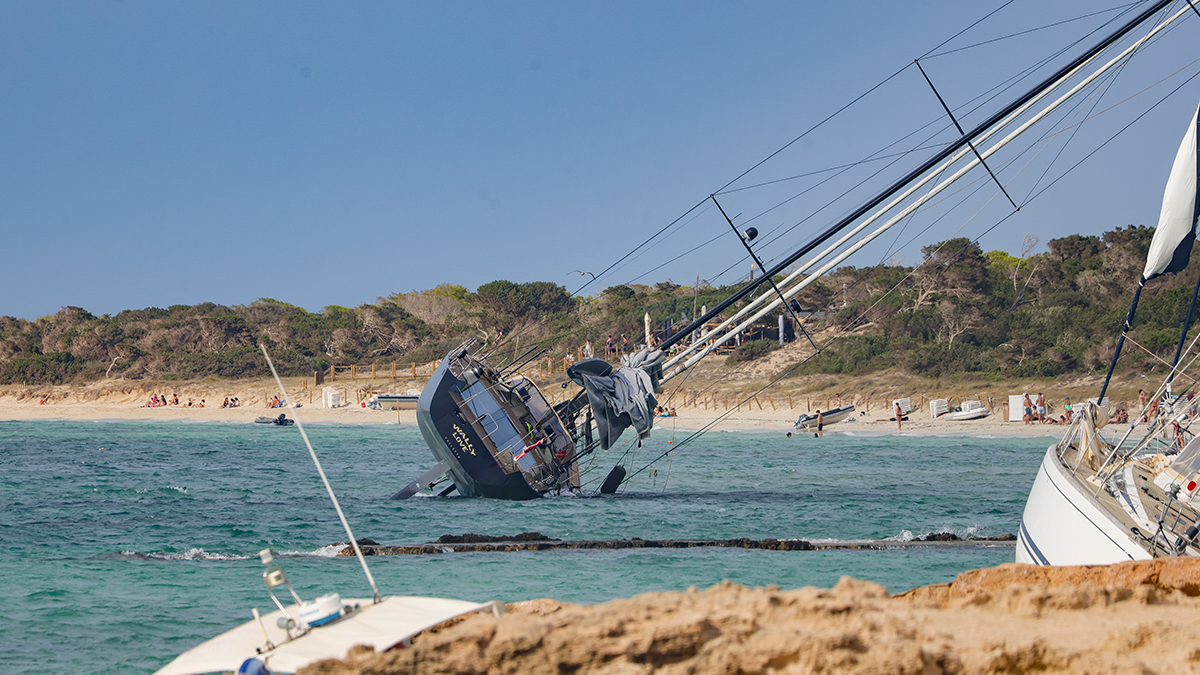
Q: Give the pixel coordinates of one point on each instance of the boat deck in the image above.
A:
(1133, 500)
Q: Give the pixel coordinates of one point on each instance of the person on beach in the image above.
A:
(608, 348)
(1028, 410)
(175, 400)
(898, 415)
(1141, 404)
(821, 423)
(587, 349)
(1041, 408)
(1067, 409)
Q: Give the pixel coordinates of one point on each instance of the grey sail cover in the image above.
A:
(623, 397)
(1171, 246)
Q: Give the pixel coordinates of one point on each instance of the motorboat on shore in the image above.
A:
(393, 401)
(1097, 500)
(833, 416)
(968, 410)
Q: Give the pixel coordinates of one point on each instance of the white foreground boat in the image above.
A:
(383, 625)
(1098, 502)
(296, 635)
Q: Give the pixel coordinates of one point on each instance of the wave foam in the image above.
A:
(190, 554)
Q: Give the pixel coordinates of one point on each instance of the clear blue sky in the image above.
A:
(331, 153)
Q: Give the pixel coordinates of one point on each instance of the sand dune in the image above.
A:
(1141, 617)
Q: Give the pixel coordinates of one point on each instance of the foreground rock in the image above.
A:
(1131, 618)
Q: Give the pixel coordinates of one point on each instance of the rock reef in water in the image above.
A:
(536, 541)
(1136, 617)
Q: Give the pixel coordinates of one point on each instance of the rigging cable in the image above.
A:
(708, 427)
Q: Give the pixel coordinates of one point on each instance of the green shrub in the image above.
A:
(752, 350)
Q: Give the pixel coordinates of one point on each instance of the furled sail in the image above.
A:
(1172, 244)
(622, 398)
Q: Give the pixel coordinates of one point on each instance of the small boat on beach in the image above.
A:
(969, 410)
(280, 421)
(393, 402)
(1097, 500)
(828, 417)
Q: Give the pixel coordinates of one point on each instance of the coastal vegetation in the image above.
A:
(961, 310)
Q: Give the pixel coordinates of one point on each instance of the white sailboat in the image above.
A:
(1097, 502)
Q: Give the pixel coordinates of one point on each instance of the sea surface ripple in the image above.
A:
(123, 544)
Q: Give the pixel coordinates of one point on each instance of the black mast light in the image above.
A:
(751, 233)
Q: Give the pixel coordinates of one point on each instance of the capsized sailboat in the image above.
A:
(1096, 501)
(493, 433)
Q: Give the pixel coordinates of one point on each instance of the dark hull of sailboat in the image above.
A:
(499, 439)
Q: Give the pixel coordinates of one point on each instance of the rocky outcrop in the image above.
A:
(1135, 617)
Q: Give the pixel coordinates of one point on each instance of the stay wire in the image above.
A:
(1125, 8)
(789, 144)
(708, 427)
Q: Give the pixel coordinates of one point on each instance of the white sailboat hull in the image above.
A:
(1063, 525)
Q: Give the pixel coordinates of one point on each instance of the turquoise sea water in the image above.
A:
(124, 543)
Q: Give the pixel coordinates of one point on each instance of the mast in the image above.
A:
(1047, 84)
(1171, 247)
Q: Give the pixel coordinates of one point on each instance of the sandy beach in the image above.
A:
(127, 401)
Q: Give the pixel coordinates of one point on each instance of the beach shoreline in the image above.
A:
(688, 419)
